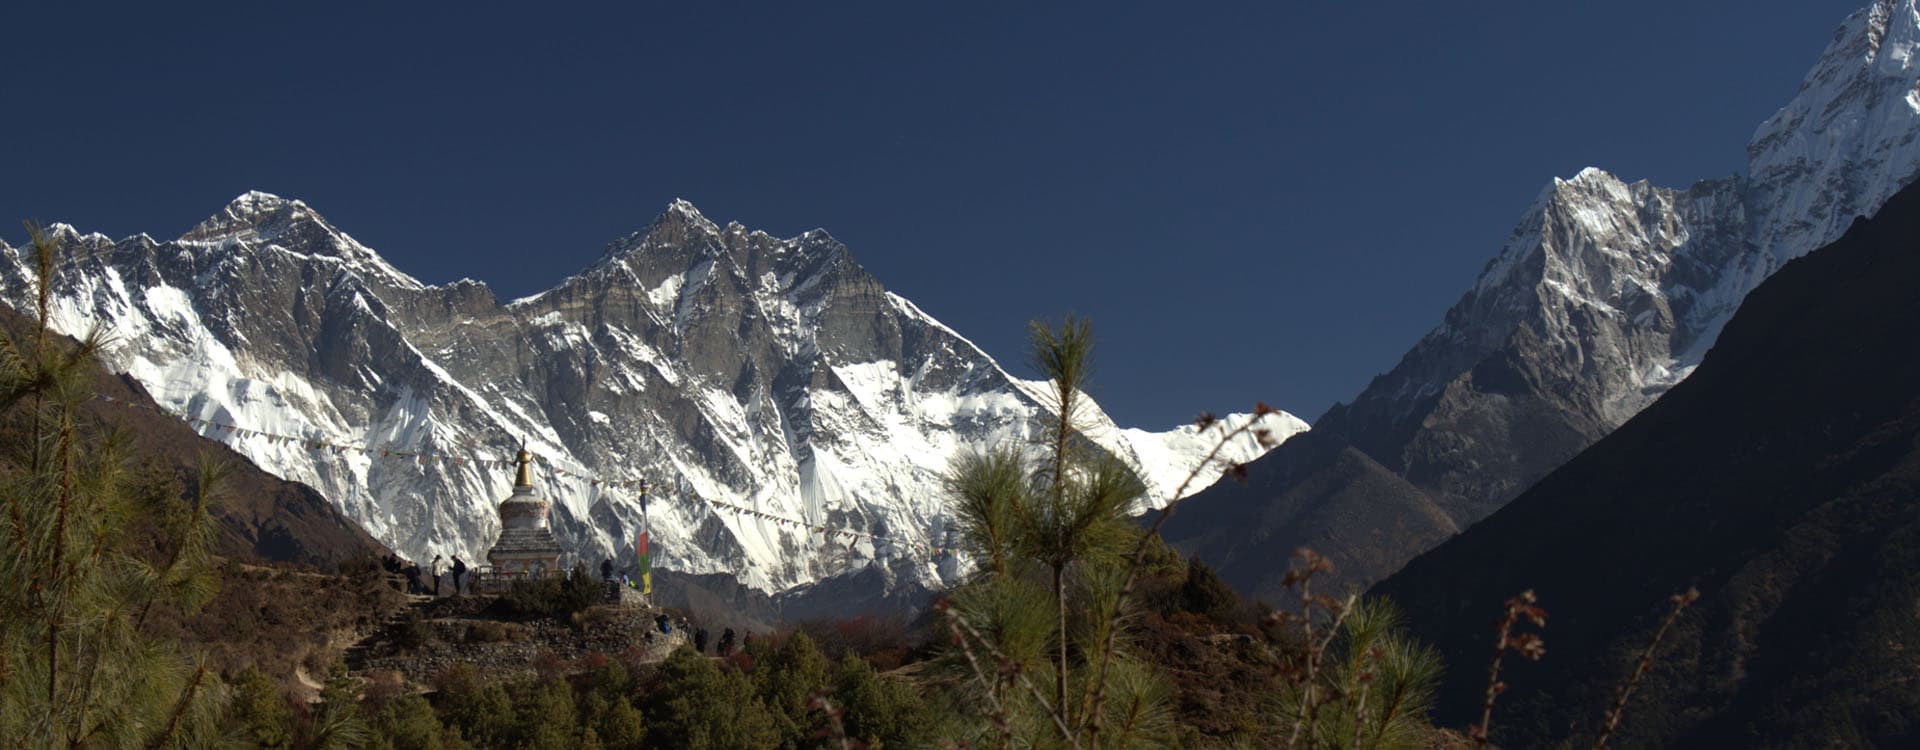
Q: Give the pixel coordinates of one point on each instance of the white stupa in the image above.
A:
(526, 546)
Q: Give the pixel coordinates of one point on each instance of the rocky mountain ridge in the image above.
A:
(1605, 295)
(724, 365)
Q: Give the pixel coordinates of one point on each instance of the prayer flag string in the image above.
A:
(641, 486)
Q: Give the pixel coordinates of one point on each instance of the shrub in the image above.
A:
(550, 665)
(593, 617)
(549, 596)
(381, 689)
(412, 632)
(877, 638)
(532, 596)
(259, 711)
(361, 568)
(1204, 593)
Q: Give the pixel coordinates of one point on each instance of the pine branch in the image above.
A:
(186, 699)
(960, 624)
(1138, 559)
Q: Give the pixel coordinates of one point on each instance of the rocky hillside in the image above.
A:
(1606, 294)
(1782, 479)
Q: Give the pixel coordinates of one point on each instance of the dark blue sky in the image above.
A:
(1253, 201)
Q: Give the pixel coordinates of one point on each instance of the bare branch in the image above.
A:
(1528, 645)
(1680, 602)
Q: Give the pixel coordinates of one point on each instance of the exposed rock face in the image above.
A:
(720, 363)
(1782, 479)
(1607, 294)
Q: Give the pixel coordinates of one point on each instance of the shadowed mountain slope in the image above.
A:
(1782, 479)
(1313, 491)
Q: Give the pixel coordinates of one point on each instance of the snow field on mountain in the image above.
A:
(268, 318)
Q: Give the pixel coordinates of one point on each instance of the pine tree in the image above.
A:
(1058, 509)
(879, 711)
(699, 705)
(1380, 688)
(89, 548)
(620, 727)
(481, 710)
(408, 723)
(787, 680)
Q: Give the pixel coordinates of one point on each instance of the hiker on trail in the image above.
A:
(439, 569)
(459, 570)
(726, 643)
(606, 569)
(700, 640)
(412, 572)
(665, 625)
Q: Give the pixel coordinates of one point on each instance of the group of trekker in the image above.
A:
(722, 649)
(430, 584)
(665, 624)
(427, 582)
(700, 636)
(625, 577)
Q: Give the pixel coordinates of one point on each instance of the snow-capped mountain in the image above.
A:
(721, 364)
(1609, 292)
(1605, 295)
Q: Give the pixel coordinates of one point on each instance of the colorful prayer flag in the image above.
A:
(646, 563)
(646, 555)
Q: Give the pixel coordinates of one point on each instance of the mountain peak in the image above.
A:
(1860, 94)
(1587, 175)
(681, 215)
(1849, 129)
(256, 201)
(262, 219)
(253, 213)
(684, 207)
(678, 223)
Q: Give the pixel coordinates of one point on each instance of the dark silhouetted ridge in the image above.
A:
(1782, 478)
